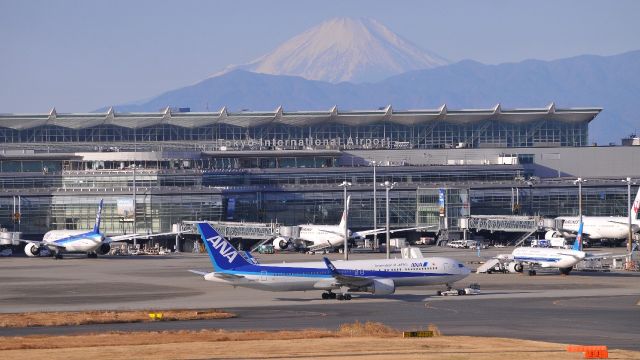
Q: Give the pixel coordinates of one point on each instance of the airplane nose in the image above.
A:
(463, 269)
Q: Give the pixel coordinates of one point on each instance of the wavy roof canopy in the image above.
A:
(248, 119)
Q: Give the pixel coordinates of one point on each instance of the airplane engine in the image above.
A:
(382, 287)
(32, 249)
(280, 243)
(552, 234)
(514, 267)
(103, 249)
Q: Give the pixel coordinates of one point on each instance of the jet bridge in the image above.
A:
(231, 230)
(527, 225)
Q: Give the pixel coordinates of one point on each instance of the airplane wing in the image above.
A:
(138, 236)
(203, 273)
(218, 275)
(382, 230)
(42, 243)
(346, 280)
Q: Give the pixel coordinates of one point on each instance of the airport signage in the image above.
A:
(337, 142)
(408, 334)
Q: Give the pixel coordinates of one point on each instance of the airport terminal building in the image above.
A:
(157, 169)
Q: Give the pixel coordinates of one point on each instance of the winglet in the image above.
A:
(330, 266)
(577, 245)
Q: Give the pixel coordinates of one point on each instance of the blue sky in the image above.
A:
(81, 55)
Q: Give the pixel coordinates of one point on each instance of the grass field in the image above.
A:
(105, 317)
(356, 341)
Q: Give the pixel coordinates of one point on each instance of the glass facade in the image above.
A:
(489, 132)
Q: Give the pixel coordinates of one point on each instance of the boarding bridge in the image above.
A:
(232, 230)
(527, 225)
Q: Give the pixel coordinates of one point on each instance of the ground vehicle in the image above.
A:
(266, 249)
(473, 289)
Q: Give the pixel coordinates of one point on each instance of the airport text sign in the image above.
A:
(337, 142)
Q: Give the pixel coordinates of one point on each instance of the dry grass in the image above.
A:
(153, 337)
(368, 328)
(104, 317)
(434, 329)
(305, 344)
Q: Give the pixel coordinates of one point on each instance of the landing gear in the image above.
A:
(532, 272)
(57, 256)
(341, 297)
(328, 295)
(565, 271)
(92, 255)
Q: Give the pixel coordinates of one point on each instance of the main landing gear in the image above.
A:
(331, 295)
(57, 255)
(92, 255)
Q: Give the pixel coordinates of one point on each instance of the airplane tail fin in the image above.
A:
(222, 254)
(96, 226)
(635, 207)
(345, 213)
(577, 245)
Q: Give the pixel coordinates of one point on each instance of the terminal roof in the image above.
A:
(249, 119)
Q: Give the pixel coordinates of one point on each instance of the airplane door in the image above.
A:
(263, 276)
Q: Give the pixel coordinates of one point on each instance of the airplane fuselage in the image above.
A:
(322, 234)
(73, 240)
(548, 257)
(304, 276)
(598, 227)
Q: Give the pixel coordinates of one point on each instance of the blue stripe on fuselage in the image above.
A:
(87, 235)
(533, 258)
(323, 272)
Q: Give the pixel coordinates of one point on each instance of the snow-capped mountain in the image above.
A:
(344, 49)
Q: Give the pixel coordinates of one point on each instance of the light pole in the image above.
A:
(388, 186)
(346, 184)
(375, 209)
(579, 181)
(630, 235)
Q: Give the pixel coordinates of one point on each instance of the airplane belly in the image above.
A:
(278, 283)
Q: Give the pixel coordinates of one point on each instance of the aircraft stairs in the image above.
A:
(524, 237)
(489, 264)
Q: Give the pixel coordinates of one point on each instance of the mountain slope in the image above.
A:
(611, 82)
(344, 49)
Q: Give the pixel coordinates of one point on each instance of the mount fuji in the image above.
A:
(344, 49)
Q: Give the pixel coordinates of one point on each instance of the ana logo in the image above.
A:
(422, 264)
(225, 249)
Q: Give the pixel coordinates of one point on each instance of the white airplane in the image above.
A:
(562, 259)
(92, 242)
(601, 227)
(318, 237)
(380, 277)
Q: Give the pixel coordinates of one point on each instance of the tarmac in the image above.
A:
(582, 308)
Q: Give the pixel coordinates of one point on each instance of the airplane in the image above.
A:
(314, 237)
(562, 259)
(92, 242)
(378, 277)
(601, 227)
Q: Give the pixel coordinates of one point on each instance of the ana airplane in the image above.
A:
(601, 227)
(562, 259)
(314, 237)
(380, 277)
(92, 242)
